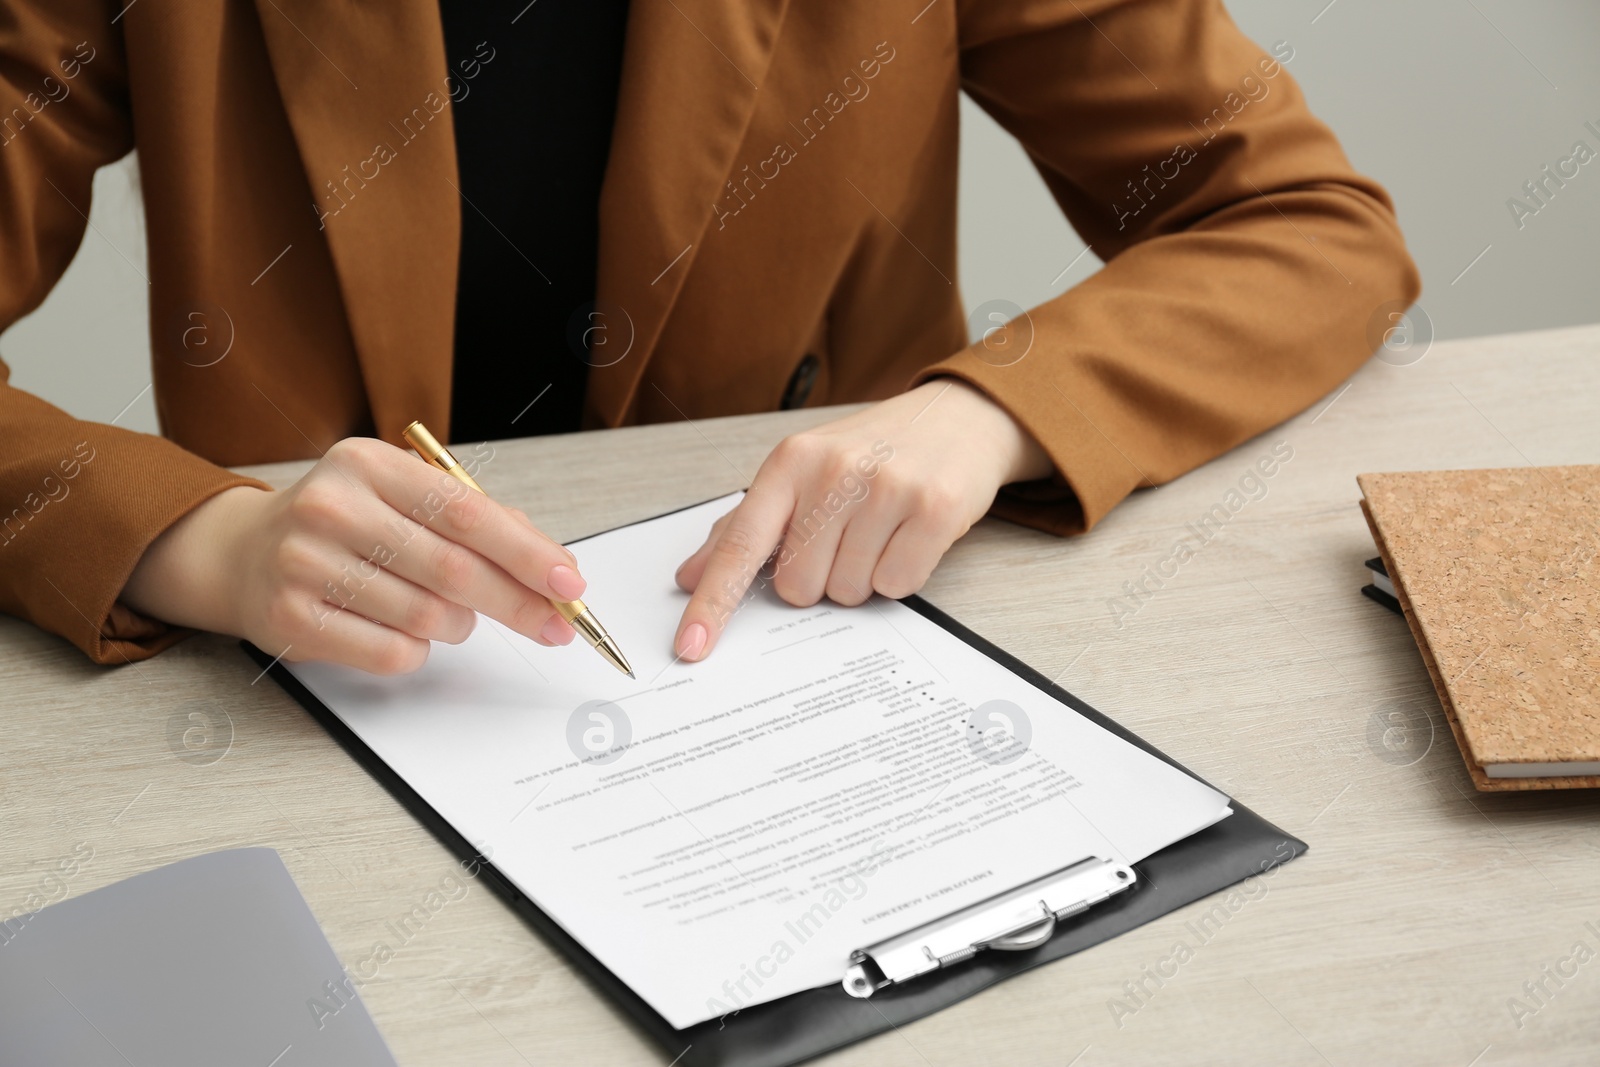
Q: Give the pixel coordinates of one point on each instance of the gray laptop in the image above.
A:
(211, 960)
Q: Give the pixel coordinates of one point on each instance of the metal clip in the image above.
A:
(1013, 921)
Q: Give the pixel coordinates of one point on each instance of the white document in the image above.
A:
(724, 833)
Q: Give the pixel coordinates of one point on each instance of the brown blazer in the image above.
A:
(782, 184)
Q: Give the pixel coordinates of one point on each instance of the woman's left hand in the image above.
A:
(867, 504)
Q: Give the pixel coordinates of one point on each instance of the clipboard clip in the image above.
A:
(1013, 921)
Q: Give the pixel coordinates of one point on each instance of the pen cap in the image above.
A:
(418, 437)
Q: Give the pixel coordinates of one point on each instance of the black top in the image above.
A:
(534, 90)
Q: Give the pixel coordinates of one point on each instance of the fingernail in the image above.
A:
(693, 641)
(565, 582)
(556, 630)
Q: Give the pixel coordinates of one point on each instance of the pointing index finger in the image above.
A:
(753, 530)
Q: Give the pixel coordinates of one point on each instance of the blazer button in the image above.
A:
(800, 383)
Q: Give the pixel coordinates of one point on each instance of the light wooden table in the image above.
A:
(1422, 908)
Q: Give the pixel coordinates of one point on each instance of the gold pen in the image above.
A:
(574, 611)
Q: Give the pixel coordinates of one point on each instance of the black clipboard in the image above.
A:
(808, 1024)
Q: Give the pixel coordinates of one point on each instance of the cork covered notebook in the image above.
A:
(1498, 574)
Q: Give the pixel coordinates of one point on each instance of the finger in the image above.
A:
(345, 637)
(690, 570)
(401, 605)
(811, 541)
(751, 534)
(448, 569)
(455, 572)
(450, 509)
(910, 556)
(522, 517)
(861, 547)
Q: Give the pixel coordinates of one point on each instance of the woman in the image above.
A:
(531, 218)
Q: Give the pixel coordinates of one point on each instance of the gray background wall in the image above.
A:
(1452, 104)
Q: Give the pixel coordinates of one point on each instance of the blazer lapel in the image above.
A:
(365, 92)
(690, 74)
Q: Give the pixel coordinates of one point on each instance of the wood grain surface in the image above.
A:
(1409, 934)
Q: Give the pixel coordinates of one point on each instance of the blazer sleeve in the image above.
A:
(79, 501)
(1244, 257)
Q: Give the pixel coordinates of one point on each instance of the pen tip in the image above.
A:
(635, 677)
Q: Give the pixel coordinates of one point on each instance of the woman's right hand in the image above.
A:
(364, 561)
